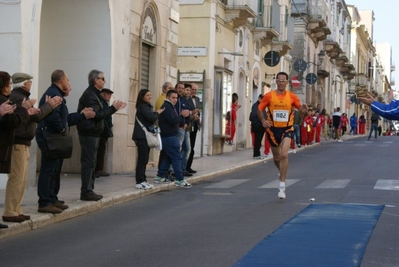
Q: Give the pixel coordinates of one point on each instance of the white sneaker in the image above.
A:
(339, 140)
(143, 185)
(281, 193)
(294, 151)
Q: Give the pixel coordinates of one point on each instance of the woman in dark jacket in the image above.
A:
(148, 117)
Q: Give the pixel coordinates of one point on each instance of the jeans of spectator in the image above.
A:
(353, 130)
(373, 127)
(48, 184)
(297, 134)
(143, 152)
(88, 157)
(193, 137)
(171, 148)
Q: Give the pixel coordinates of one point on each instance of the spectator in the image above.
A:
(319, 124)
(257, 129)
(57, 122)
(90, 130)
(344, 123)
(362, 125)
(148, 117)
(231, 123)
(353, 124)
(11, 118)
(169, 123)
(161, 99)
(297, 127)
(107, 133)
(18, 176)
(380, 130)
(374, 125)
(195, 126)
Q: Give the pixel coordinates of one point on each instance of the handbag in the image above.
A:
(58, 146)
(152, 139)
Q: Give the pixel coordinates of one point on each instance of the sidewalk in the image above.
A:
(119, 188)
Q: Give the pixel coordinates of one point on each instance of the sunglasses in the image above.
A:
(101, 78)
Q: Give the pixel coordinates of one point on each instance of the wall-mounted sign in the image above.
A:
(191, 77)
(300, 65)
(174, 15)
(272, 58)
(149, 28)
(311, 78)
(192, 51)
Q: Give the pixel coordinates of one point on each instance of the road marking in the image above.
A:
(333, 184)
(360, 145)
(275, 183)
(228, 183)
(387, 184)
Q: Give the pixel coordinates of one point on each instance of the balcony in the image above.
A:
(341, 60)
(332, 49)
(267, 25)
(318, 19)
(238, 14)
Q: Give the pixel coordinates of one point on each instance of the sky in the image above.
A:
(385, 23)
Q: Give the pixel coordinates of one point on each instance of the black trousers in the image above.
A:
(258, 131)
(102, 145)
(143, 152)
(88, 157)
(193, 136)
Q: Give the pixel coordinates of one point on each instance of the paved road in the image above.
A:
(218, 221)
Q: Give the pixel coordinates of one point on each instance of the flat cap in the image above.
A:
(106, 90)
(20, 77)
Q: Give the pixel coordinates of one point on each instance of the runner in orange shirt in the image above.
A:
(279, 124)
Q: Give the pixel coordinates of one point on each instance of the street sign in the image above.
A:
(311, 78)
(300, 65)
(294, 81)
(271, 58)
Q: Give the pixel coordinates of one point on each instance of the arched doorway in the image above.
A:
(75, 36)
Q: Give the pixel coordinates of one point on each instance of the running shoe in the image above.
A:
(182, 183)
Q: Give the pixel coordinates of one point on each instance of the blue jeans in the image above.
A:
(48, 184)
(297, 134)
(171, 148)
(374, 127)
(185, 148)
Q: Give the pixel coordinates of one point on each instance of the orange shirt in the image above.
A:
(280, 108)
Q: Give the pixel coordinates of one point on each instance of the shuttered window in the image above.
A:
(145, 66)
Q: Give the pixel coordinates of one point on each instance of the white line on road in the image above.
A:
(387, 184)
(228, 183)
(333, 184)
(275, 183)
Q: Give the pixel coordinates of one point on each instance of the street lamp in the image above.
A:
(321, 56)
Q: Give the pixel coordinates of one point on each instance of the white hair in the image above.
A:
(19, 85)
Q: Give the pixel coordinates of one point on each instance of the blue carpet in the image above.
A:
(321, 235)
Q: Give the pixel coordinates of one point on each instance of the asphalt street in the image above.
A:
(216, 222)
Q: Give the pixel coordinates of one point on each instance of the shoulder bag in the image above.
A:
(58, 146)
(152, 139)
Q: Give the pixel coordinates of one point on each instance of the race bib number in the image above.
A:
(280, 115)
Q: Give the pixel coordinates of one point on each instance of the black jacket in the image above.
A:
(107, 132)
(60, 119)
(169, 120)
(26, 131)
(147, 116)
(93, 127)
(8, 124)
(253, 116)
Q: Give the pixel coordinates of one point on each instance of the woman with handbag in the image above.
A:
(146, 118)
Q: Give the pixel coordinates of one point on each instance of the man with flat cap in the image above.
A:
(107, 133)
(18, 176)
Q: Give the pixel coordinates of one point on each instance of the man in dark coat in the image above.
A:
(90, 131)
(107, 133)
(57, 122)
(257, 129)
